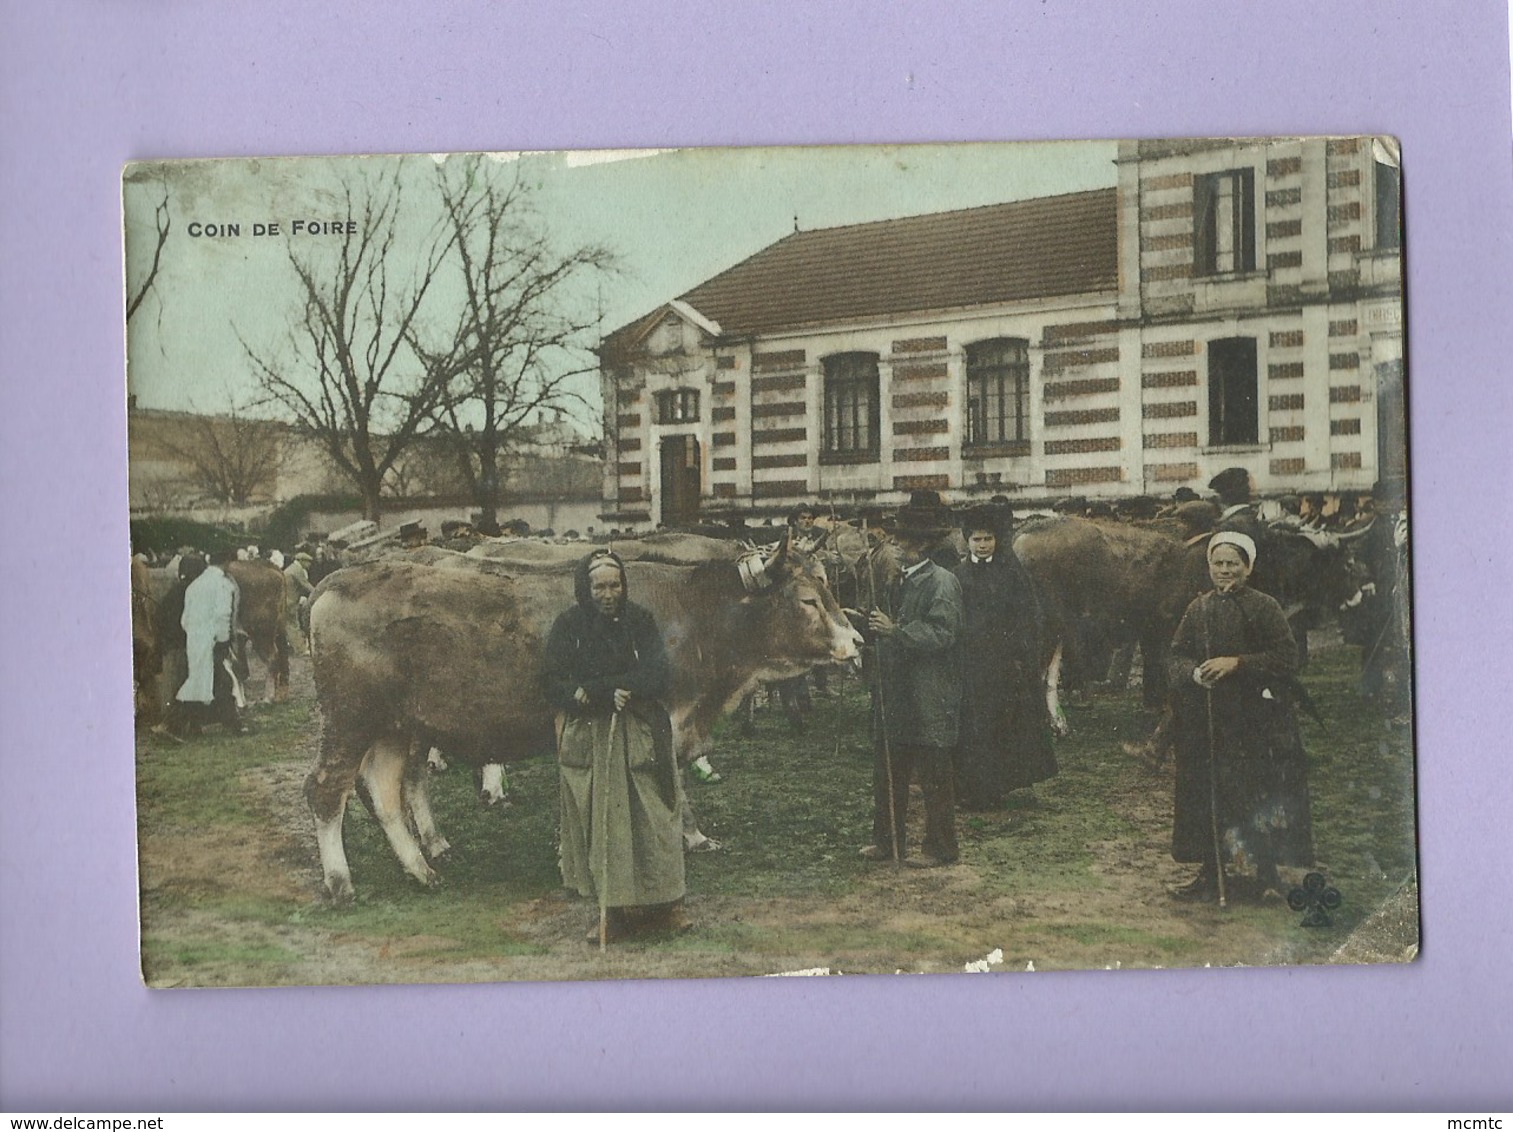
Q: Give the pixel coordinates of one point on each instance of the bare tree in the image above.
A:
(350, 380)
(229, 458)
(162, 223)
(522, 338)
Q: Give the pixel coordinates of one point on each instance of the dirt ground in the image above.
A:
(238, 901)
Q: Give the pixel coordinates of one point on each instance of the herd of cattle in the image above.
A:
(430, 648)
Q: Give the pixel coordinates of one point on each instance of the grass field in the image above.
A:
(1071, 875)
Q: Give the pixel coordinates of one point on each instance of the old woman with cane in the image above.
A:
(1242, 786)
(606, 673)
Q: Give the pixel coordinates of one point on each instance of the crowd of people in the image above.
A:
(954, 665)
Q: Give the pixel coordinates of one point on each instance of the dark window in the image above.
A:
(1389, 217)
(1232, 400)
(677, 406)
(851, 405)
(1224, 222)
(998, 391)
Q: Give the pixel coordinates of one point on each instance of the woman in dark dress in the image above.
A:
(1005, 728)
(1242, 781)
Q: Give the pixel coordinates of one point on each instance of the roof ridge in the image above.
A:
(938, 215)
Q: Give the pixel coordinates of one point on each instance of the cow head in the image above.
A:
(1310, 570)
(801, 623)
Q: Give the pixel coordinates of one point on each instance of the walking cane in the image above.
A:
(1213, 772)
(603, 834)
(882, 723)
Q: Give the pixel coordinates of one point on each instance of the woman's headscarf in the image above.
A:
(1241, 542)
(587, 565)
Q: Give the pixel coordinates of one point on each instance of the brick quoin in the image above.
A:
(1344, 328)
(1167, 211)
(779, 487)
(781, 409)
(1345, 426)
(1171, 440)
(1345, 460)
(937, 399)
(1068, 358)
(629, 420)
(725, 490)
(1286, 434)
(1284, 166)
(1163, 410)
(769, 384)
(1339, 146)
(1166, 272)
(1168, 349)
(1283, 229)
(1166, 243)
(724, 463)
(1169, 379)
(1339, 213)
(723, 389)
(1344, 394)
(1344, 280)
(919, 345)
(786, 460)
(779, 435)
(1057, 390)
(1343, 178)
(1290, 466)
(779, 359)
(1281, 198)
(1167, 181)
(1082, 444)
(628, 468)
(723, 440)
(727, 361)
(1167, 473)
(1284, 371)
(921, 483)
(1284, 402)
(1080, 416)
(723, 413)
(1073, 331)
(630, 444)
(920, 428)
(919, 372)
(1070, 477)
(1284, 259)
(920, 455)
(631, 495)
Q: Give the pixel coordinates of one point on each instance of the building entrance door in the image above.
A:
(680, 480)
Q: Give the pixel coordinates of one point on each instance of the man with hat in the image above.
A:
(212, 692)
(297, 588)
(918, 698)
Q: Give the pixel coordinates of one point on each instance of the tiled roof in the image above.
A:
(1061, 245)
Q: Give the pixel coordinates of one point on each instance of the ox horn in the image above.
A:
(779, 559)
(1352, 536)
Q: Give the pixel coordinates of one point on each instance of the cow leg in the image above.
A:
(280, 670)
(417, 800)
(1053, 693)
(327, 789)
(1153, 652)
(383, 771)
(492, 790)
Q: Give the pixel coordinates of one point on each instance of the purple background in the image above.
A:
(86, 86)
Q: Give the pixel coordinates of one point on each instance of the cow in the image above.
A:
(409, 655)
(145, 656)
(1139, 578)
(263, 612)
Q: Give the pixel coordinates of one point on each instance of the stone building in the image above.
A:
(1222, 303)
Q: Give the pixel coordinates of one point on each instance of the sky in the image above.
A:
(673, 218)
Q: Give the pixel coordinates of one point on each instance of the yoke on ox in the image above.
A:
(409, 655)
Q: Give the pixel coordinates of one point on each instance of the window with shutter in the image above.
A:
(1224, 222)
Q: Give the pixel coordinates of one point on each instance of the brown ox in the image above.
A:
(409, 655)
(263, 611)
(1138, 579)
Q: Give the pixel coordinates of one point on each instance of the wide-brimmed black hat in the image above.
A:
(995, 517)
(1231, 484)
(924, 516)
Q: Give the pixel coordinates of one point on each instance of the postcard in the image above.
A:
(713, 563)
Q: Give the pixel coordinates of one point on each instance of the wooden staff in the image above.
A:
(1213, 771)
(609, 751)
(882, 723)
